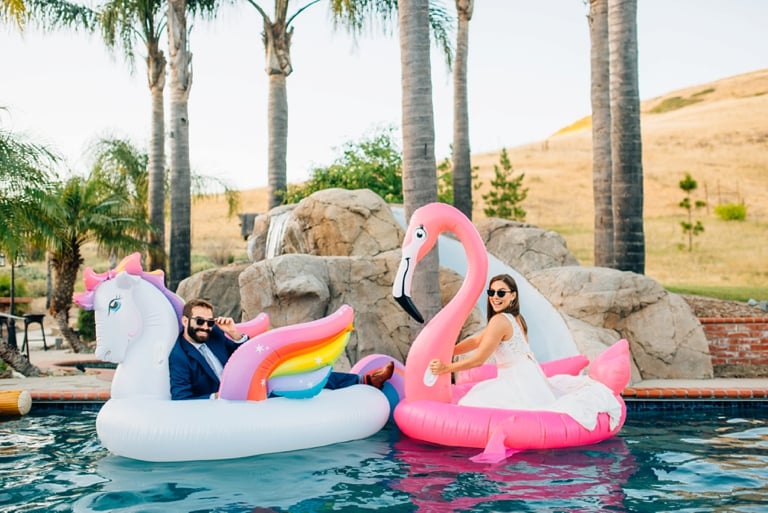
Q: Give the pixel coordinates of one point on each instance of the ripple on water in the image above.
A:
(691, 462)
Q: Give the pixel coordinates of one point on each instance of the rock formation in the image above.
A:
(340, 246)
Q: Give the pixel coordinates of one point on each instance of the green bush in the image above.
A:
(673, 103)
(731, 211)
(374, 163)
(86, 325)
(19, 289)
(507, 193)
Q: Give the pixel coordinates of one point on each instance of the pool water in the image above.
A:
(689, 460)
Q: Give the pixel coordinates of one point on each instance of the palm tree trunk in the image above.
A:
(278, 138)
(462, 165)
(65, 269)
(626, 138)
(277, 44)
(18, 361)
(181, 82)
(601, 134)
(156, 165)
(419, 166)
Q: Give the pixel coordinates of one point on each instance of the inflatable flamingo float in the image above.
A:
(429, 411)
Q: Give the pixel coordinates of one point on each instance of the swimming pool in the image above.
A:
(690, 459)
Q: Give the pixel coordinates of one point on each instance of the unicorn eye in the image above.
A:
(420, 233)
(115, 305)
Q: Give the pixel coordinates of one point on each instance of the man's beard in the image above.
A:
(192, 332)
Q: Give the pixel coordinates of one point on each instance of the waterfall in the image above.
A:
(275, 234)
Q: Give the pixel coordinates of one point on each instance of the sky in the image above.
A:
(528, 76)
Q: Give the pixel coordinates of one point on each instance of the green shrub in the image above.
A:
(374, 163)
(19, 290)
(731, 211)
(673, 103)
(688, 185)
(86, 325)
(507, 193)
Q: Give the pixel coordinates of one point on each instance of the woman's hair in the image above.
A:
(514, 305)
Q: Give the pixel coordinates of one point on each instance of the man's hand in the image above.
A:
(227, 325)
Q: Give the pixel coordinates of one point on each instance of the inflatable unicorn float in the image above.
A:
(429, 409)
(137, 323)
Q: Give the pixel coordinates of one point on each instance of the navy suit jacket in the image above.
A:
(191, 376)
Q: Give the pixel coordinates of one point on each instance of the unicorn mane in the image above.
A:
(132, 265)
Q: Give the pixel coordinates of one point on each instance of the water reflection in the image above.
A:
(694, 462)
(277, 481)
(440, 479)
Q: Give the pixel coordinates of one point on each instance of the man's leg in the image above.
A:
(375, 378)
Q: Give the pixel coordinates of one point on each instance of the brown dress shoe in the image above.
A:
(378, 377)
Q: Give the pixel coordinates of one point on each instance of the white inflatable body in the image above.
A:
(137, 322)
(165, 430)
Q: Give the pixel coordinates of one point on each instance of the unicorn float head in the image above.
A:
(137, 322)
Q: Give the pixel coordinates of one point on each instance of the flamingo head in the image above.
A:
(426, 224)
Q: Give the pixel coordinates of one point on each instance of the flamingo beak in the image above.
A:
(406, 304)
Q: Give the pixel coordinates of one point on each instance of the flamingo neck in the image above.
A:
(439, 336)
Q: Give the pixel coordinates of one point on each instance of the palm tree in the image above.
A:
(13, 10)
(181, 82)
(601, 133)
(24, 181)
(180, 86)
(48, 13)
(122, 23)
(419, 180)
(626, 138)
(462, 164)
(81, 211)
(417, 19)
(277, 44)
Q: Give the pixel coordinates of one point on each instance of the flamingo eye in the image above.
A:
(114, 305)
(420, 233)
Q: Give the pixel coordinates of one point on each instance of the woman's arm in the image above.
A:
(468, 344)
(497, 330)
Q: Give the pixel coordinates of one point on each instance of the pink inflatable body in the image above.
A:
(428, 410)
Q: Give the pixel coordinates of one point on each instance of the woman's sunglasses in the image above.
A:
(501, 292)
(199, 321)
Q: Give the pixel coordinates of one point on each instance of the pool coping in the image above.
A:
(725, 389)
(93, 385)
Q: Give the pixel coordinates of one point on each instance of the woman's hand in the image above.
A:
(437, 367)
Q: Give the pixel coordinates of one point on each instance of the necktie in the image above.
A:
(214, 362)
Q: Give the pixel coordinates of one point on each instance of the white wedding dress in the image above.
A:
(522, 385)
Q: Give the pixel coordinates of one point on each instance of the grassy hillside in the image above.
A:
(717, 132)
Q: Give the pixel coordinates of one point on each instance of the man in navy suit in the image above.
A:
(206, 343)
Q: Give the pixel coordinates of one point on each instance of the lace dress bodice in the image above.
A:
(513, 349)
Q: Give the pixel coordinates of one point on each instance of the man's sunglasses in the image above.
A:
(199, 321)
(501, 292)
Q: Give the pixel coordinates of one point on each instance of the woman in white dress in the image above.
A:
(521, 383)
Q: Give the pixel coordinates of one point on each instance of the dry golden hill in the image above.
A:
(717, 132)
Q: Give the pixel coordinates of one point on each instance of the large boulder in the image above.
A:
(665, 338)
(330, 222)
(524, 247)
(219, 286)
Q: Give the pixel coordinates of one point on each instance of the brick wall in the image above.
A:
(739, 346)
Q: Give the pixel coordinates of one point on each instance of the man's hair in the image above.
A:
(195, 303)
